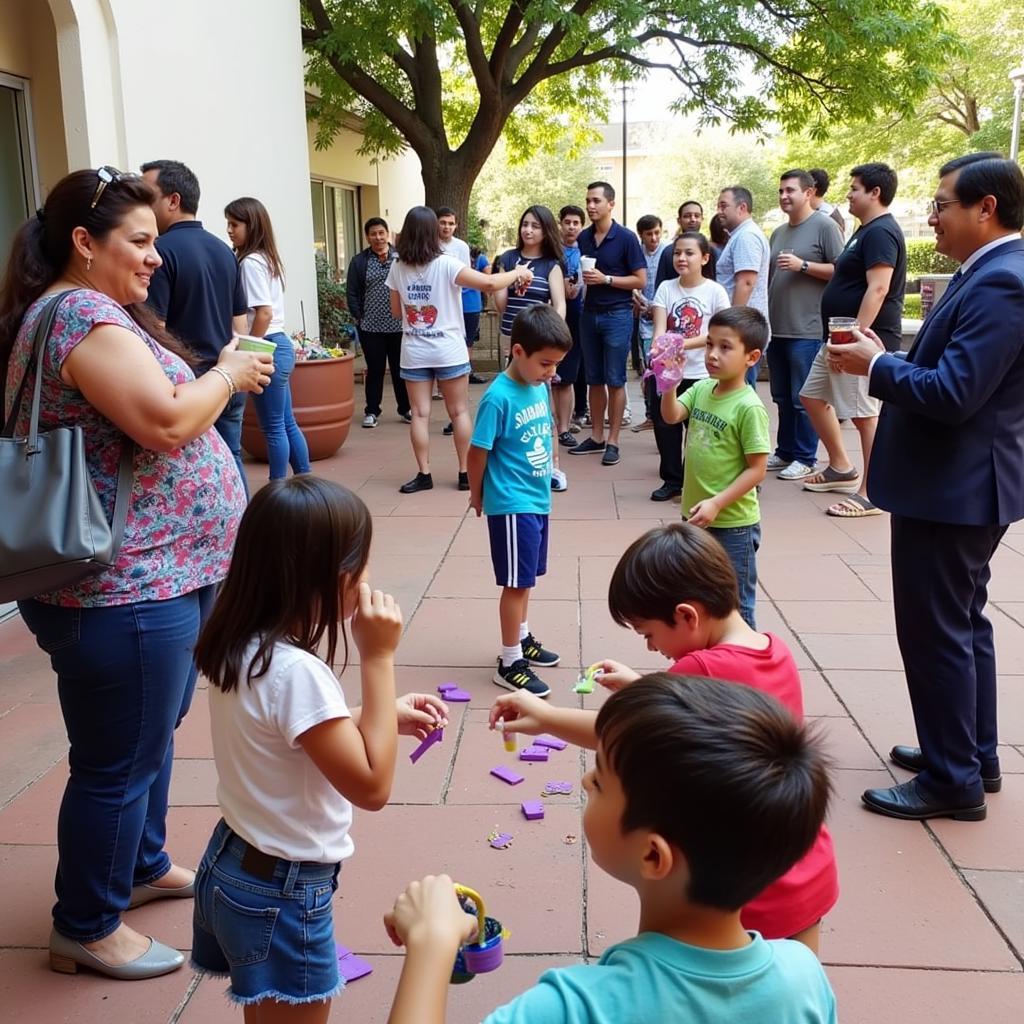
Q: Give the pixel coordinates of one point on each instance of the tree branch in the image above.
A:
(505, 38)
(470, 24)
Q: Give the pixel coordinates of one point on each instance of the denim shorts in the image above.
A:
(274, 937)
(605, 335)
(432, 372)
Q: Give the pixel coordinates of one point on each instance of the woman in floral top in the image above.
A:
(121, 641)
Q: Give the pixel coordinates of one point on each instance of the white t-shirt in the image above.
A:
(433, 331)
(262, 289)
(688, 311)
(269, 790)
(458, 248)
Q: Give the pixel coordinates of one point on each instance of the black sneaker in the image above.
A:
(475, 378)
(588, 447)
(449, 430)
(519, 676)
(666, 492)
(420, 482)
(535, 654)
(568, 438)
(463, 481)
(611, 455)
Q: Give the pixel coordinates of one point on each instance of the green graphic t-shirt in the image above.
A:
(721, 433)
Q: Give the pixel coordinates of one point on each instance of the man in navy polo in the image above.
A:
(197, 292)
(606, 324)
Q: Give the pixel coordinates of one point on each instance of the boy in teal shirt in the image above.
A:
(727, 443)
(510, 462)
(687, 770)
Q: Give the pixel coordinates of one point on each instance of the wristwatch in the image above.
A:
(608, 280)
(804, 266)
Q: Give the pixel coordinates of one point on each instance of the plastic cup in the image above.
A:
(840, 329)
(247, 343)
(588, 263)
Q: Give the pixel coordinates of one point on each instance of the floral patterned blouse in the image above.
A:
(185, 505)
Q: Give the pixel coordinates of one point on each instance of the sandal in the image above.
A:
(853, 507)
(830, 479)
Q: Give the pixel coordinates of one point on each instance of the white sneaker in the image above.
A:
(559, 481)
(775, 463)
(369, 420)
(796, 471)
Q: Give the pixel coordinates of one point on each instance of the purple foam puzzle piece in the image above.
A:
(551, 788)
(350, 967)
(457, 696)
(435, 737)
(533, 754)
(501, 841)
(533, 810)
(445, 687)
(549, 741)
(507, 775)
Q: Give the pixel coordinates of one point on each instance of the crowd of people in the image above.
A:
(143, 356)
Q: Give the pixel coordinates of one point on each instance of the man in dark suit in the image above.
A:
(949, 466)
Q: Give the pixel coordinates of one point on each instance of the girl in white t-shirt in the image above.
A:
(292, 757)
(262, 273)
(683, 305)
(426, 295)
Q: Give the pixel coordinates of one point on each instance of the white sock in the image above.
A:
(509, 655)
(524, 630)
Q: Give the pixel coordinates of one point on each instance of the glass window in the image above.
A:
(17, 189)
(335, 223)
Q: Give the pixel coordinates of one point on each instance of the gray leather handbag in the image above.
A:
(53, 531)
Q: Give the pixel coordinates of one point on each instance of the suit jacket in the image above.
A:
(950, 440)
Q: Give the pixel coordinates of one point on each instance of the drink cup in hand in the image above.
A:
(841, 328)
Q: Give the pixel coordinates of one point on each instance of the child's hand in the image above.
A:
(429, 912)
(377, 623)
(521, 712)
(705, 512)
(476, 503)
(614, 675)
(419, 714)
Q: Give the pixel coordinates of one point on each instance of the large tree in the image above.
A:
(448, 77)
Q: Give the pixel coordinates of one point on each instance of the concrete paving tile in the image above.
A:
(1009, 639)
(466, 631)
(855, 617)
(424, 781)
(595, 575)
(534, 888)
(1007, 575)
(845, 744)
(1012, 610)
(869, 995)
(813, 578)
(32, 740)
(470, 577)
(1002, 893)
(26, 920)
(29, 990)
(193, 783)
(899, 899)
(869, 651)
(25, 676)
(796, 538)
(871, 534)
(31, 817)
(602, 638)
(480, 749)
(995, 843)
(585, 499)
(431, 535)
(613, 909)
(769, 620)
(569, 537)
(192, 738)
(819, 699)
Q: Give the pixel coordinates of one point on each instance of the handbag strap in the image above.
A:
(126, 467)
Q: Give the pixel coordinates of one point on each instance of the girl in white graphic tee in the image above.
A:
(292, 757)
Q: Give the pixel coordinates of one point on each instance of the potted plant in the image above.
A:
(322, 383)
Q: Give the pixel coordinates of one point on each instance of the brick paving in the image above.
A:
(930, 925)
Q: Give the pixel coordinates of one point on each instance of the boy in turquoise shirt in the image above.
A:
(510, 462)
(727, 443)
(687, 770)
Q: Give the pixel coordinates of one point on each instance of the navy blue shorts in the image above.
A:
(519, 548)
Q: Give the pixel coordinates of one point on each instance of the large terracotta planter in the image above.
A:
(322, 399)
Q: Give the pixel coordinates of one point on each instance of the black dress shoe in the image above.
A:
(908, 802)
(449, 430)
(912, 759)
(665, 493)
(420, 482)
(463, 481)
(475, 378)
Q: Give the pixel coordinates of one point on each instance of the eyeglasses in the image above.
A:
(936, 206)
(108, 176)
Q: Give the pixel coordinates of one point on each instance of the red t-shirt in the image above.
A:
(809, 890)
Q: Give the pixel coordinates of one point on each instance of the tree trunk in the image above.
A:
(447, 183)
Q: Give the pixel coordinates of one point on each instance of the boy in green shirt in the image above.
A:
(727, 443)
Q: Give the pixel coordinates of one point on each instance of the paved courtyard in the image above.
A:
(930, 925)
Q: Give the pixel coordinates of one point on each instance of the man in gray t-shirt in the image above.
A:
(803, 255)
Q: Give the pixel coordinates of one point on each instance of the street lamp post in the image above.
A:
(1017, 77)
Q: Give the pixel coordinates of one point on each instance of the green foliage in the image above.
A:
(922, 258)
(334, 315)
(912, 307)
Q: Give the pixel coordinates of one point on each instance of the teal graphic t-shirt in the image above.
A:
(513, 424)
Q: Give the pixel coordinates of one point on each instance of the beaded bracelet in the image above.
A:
(232, 387)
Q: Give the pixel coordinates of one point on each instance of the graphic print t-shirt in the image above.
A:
(688, 311)
(536, 293)
(513, 424)
(433, 331)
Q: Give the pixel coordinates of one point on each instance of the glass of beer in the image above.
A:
(840, 329)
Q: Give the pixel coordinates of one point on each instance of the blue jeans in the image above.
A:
(741, 544)
(229, 426)
(605, 335)
(789, 360)
(285, 443)
(125, 678)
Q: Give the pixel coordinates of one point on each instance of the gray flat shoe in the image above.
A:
(147, 893)
(66, 956)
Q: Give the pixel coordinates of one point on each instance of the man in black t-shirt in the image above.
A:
(868, 284)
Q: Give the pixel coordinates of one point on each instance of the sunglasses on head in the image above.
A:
(108, 176)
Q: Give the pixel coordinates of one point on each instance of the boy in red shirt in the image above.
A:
(676, 587)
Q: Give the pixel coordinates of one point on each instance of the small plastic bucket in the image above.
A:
(483, 956)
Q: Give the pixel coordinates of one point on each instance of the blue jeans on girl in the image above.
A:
(125, 679)
(285, 443)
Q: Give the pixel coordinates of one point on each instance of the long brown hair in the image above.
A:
(259, 233)
(551, 238)
(302, 542)
(42, 250)
(418, 243)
